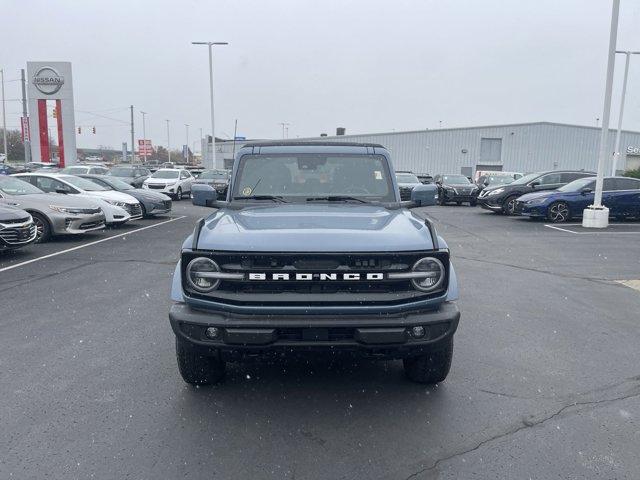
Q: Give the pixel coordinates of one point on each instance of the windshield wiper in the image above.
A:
(275, 198)
(336, 198)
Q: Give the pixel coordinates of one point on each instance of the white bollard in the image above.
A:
(595, 217)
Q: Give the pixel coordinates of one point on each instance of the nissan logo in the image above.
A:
(48, 81)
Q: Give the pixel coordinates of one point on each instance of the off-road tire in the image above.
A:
(198, 369)
(432, 367)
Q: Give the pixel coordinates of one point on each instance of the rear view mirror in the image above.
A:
(424, 195)
(204, 195)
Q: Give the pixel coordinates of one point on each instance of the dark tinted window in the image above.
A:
(550, 179)
(570, 176)
(627, 184)
(609, 184)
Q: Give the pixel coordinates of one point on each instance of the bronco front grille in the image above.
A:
(328, 278)
(405, 193)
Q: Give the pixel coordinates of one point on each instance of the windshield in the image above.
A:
(84, 184)
(74, 170)
(578, 185)
(165, 174)
(15, 186)
(213, 174)
(121, 172)
(406, 178)
(455, 179)
(499, 180)
(302, 176)
(526, 179)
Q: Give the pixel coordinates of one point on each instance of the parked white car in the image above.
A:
(175, 182)
(118, 207)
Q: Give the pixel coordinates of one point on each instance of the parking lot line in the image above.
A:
(595, 232)
(44, 257)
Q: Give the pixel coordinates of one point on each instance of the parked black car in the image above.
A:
(153, 203)
(493, 179)
(218, 179)
(424, 178)
(16, 228)
(502, 198)
(456, 188)
(134, 175)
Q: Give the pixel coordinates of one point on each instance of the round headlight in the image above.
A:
(433, 274)
(199, 276)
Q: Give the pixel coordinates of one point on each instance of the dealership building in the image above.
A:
(522, 147)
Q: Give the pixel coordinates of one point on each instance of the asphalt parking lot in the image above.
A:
(545, 380)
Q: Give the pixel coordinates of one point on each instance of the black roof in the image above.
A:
(310, 143)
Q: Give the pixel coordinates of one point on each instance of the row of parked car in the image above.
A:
(557, 196)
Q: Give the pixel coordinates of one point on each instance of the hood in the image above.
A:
(112, 195)
(43, 200)
(128, 180)
(8, 212)
(533, 195)
(408, 185)
(149, 195)
(314, 228)
(160, 181)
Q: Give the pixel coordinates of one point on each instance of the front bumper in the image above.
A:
(451, 196)
(159, 208)
(65, 224)
(13, 236)
(491, 203)
(372, 335)
(169, 190)
(534, 211)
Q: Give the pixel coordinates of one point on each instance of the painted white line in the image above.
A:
(595, 232)
(44, 257)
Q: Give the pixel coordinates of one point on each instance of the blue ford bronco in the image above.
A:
(312, 250)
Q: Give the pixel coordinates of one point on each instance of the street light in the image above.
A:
(616, 152)
(187, 143)
(168, 142)
(213, 132)
(144, 136)
(597, 216)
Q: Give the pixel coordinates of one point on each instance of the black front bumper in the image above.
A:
(458, 197)
(375, 335)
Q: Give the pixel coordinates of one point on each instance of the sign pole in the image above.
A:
(4, 119)
(25, 120)
(133, 144)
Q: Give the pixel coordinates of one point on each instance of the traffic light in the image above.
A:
(94, 129)
(55, 112)
(79, 130)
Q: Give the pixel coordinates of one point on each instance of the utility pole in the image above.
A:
(616, 152)
(168, 141)
(27, 130)
(4, 119)
(144, 135)
(133, 145)
(235, 133)
(284, 124)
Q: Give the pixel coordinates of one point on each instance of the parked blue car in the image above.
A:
(620, 194)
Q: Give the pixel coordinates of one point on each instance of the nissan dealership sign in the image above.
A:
(48, 81)
(631, 150)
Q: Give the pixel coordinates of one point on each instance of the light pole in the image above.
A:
(213, 132)
(144, 135)
(4, 119)
(597, 216)
(284, 124)
(168, 142)
(616, 152)
(187, 142)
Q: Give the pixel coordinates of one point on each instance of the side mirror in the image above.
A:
(203, 195)
(61, 190)
(534, 184)
(424, 195)
(586, 190)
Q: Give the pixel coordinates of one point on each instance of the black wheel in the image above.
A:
(509, 205)
(42, 227)
(198, 369)
(441, 200)
(432, 367)
(458, 203)
(179, 193)
(558, 212)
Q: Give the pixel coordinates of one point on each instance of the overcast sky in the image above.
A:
(367, 65)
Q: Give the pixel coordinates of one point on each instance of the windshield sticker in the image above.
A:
(246, 191)
(377, 174)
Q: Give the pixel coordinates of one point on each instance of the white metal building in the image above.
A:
(523, 147)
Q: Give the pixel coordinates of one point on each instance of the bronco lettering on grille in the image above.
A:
(316, 276)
